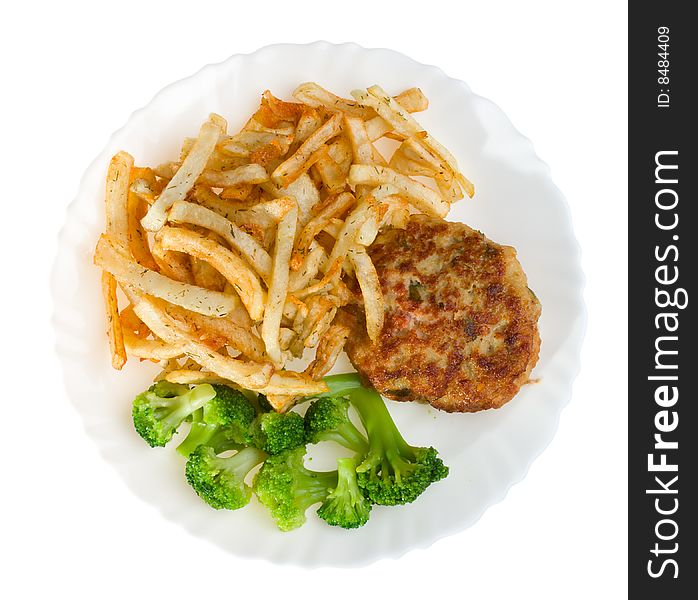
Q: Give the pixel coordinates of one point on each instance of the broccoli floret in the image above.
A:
(227, 416)
(345, 506)
(327, 419)
(274, 432)
(159, 411)
(220, 481)
(288, 489)
(392, 472)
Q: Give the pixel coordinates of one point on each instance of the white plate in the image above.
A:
(516, 203)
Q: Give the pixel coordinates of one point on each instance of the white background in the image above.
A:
(73, 73)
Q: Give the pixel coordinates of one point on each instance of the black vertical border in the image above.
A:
(653, 129)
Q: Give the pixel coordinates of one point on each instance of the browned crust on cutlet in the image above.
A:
(461, 324)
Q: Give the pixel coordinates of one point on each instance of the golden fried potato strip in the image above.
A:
(232, 267)
(115, 330)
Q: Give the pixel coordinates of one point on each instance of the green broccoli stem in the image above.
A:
(312, 486)
(346, 480)
(206, 434)
(385, 442)
(340, 385)
(348, 436)
(199, 434)
(188, 403)
(240, 463)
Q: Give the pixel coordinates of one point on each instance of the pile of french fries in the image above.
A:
(242, 254)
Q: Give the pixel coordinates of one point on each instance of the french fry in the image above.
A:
(308, 269)
(284, 111)
(267, 156)
(115, 330)
(334, 206)
(116, 203)
(347, 235)
(239, 313)
(251, 174)
(125, 270)
(292, 168)
(286, 337)
(290, 383)
(194, 377)
(239, 191)
(397, 215)
(278, 288)
(405, 125)
(377, 127)
(405, 166)
(250, 375)
(248, 247)
(206, 276)
(306, 195)
(324, 285)
(132, 324)
(333, 227)
(419, 195)
(384, 192)
(363, 149)
(321, 311)
(309, 121)
(411, 158)
(333, 166)
(282, 128)
(172, 264)
(221, 331)
(340, 152)
(228, 264)
(267, 213)
(369, 230)
(278, 127)
(412, 100)
(450, 188)
(220, 121)
(246, 142)
(400, 120)
(330, 174)
(330, 346)
(292, 307)
(167, 170)
(219, 160)
(136, 209)
(341, 295)
(151, 349)
(116, 197)
(144, 190)
(299, 317)
(312, 94)
(185, 177)
(371, 291)
(282, 403)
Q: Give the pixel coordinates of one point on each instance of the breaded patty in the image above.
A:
(461, 324)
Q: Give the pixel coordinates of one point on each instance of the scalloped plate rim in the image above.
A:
(575, 339)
